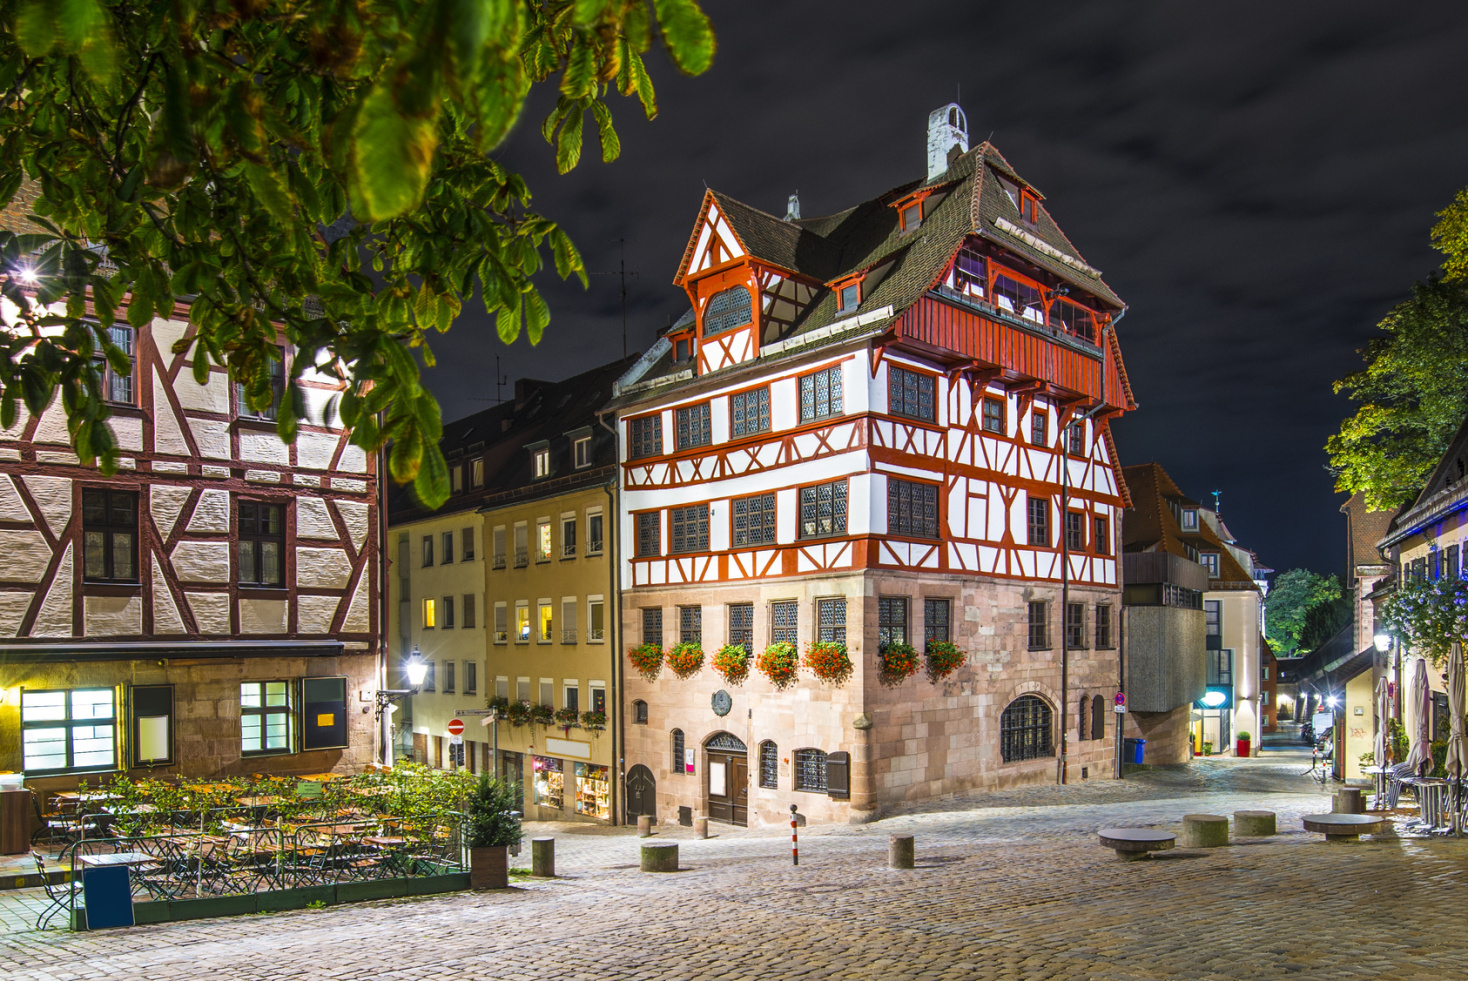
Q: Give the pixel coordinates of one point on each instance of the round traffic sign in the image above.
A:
(1120, 698)
(456, 727)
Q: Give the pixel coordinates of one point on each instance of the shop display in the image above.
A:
(550, 782)
(593, 791)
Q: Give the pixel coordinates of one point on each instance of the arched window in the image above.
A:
(639, 712)
(1083, 719)
(678, 755)
(1025, 730)
(727, 310)
(1098, 717)
(769, 765)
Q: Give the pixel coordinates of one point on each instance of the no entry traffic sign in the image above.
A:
(456, 727)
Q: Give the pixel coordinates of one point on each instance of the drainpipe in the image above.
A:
(1065, 586)
(384, 732)
(611, 529)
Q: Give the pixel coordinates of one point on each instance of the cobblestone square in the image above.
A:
(1007, 886)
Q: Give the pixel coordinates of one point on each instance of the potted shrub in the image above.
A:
(686, 658)
(519, 714)
(647, 659)
(732, 663)
(944, 658)
(828, 660)
(566, 718)
(1241, 746)
(898, 661)
(1207, 747)
(778, 663)
(593, 721)
(491, 826)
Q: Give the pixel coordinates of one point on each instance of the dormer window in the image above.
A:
(848, 296)
(581, 452)
(540, 462)
(912, 216)
(1029, 207)
(1190, 519)
(1209, 561)
(726, 310)
(682, 349)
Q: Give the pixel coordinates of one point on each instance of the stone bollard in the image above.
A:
(700, 827)
(1253, 824)
(900, 853)
(644, 825)
(660, 856)
(543, 858)
(1348, 800)
(1204, 831)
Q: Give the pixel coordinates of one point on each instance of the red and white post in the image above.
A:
(794, 839)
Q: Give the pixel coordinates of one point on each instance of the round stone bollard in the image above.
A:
(660, 856)
(900, 852)
(543, 858)
(1254, 824)
(644, 825)
(1204, 831)
(700, 827)
(1348, 800)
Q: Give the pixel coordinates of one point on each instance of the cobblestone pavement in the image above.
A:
(1008, 886)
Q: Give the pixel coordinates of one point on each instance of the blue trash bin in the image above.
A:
(1132, 749)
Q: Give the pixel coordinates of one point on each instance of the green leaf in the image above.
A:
(271, 192)
(407, 454)
(501, 93)
(643, 83)
(432, 483)
(537, 315)
(36, 30)
(687, 33)
(586, 12)
(568, 142)
(568, 260)
(578, 81)
(507, 323)
(392, 155)
(611, 146)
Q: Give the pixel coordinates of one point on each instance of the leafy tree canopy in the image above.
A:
(1414, 388)
(1428, 615)
(253, 157)
(1287, 610)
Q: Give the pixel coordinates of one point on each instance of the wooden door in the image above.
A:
(642, 794)
(740, 790)
(727, 787)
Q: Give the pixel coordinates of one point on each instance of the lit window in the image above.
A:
(540, 465)
(542, 541)
(581, 451)
(546, 621)
(456, 478)
(522, 623)
(1190, 519)
(265, 717)
(68, 730)
(430, 614)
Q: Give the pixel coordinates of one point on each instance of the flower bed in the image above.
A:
(686, 658)
(828, 660)
(944, 658)
(647, 659)
(732, 663)
(778, 662)
(898, 661)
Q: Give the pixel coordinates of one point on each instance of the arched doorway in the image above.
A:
(642, 794)
(726, 788)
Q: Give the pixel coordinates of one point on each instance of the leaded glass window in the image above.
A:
(912, 508)
(831, 617)
(690, 528)
(1039, 626)
(727, 310)
(1025, 730)
(750, 412)
(741, 625)
(783, 618)
(769, 765)
(649, 533)
(823, 510)
(910, 393)
(993, 416)
(109, 535)
(936, 613)
(1075, 625)
(694, 428)
(820, 394)
(891, 620)
(678, 752)
(1039, 516)
(1103, 626)
(690, 625)
(754, 520)
(647, 436)
(652, 627)
(810, 770)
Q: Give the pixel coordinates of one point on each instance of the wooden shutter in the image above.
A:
(838, 776)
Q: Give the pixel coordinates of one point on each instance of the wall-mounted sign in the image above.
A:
(722, 702)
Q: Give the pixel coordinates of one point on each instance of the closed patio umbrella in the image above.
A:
(1420, 701)
(1383, 709)
(1457, 762)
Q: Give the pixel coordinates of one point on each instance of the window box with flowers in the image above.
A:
(647, 659)
(898, 661)
(593, 721)
(500, 705)
(567, 717)
(778, 662)
(944, 658)
(519, 714)
(685, 658)
(732, 663)
(543, 715)
(828, 660)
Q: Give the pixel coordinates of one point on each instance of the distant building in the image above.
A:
(885, 426)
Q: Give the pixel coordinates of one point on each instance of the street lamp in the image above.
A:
(1383, 642)
(416, 670)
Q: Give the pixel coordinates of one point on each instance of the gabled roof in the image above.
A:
(1363, 530)
(1150, 525)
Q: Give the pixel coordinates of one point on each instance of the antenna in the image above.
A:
(622, 273)
(499, 380)
(1217, 507)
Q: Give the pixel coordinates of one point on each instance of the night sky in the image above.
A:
(1256, 180)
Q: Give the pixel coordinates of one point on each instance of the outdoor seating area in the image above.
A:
(241, 837)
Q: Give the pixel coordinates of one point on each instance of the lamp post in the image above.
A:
(415, 669)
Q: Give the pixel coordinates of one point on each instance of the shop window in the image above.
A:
(649, 533)
(680, 754)
(689, 528)
(690, 625)
(1039, 428)
(324, 713)
(993, 415)
(593, 791)
(150, 724)
(1025, 730)
(1098, 718)
(750, 412)
(831, 617)
(110, 535)
(823, 510)
(754, 520)
(820, 394)
(265, 717)
(1103, 627)
(1038, 512)
(652, 627)
(810, 770)
(549, 781)
(769, 765)
(68, 731)
(639, 712)
(891, 621)
(117, 386)
(912, 508)
(783, 620)
(910, 393)
(694, 426)
(936, 613)
(1039, 626)
(726, 310)
(647, 436)
(741, 625)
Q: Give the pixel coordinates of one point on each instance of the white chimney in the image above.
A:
(947, 128)
(792, 207)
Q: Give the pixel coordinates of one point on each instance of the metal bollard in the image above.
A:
(543, 858)
(900, 852)
(794, 839)
(644, 825)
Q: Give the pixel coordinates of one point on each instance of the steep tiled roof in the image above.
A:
(1363, 530)
(1445, 492)
(1151, 526)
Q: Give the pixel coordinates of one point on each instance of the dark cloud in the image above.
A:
(1255, 179)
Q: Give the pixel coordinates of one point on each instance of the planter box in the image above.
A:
(425, 885)
(489, 868)
(270, 902)
(356, 892)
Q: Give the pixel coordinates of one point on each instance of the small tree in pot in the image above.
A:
(491, 825)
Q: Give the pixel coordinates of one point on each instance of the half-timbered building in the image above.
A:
(887, 425)
(208, 610)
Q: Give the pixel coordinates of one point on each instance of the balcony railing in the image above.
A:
(568, 636)
(499, 560)
(594, 636)
(593, 547)
(522, 558)
(568, 551)
(501, 636)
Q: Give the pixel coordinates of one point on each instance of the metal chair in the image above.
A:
(59, 825)
(60, 894)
